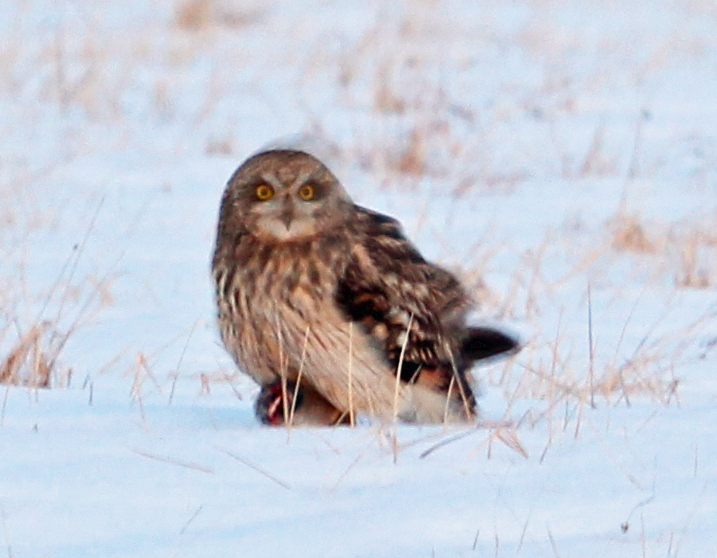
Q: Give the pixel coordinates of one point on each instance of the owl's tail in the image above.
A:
(482, 342)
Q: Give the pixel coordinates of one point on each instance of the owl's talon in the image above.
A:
(270, 403)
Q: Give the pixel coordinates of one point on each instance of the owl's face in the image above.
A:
(284, 195)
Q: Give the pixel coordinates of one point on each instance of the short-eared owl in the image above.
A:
(331, 310)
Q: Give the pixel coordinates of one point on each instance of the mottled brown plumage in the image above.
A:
(330, 309)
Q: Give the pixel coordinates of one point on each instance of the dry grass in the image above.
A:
(194, 14)
(629, 235)
(36, 328)
(32, 360)
(197, 15)
(32, 351)
(686, 251)
(697, 251)
(560, 374)
(559, 380)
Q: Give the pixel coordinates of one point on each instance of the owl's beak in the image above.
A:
(287, 212)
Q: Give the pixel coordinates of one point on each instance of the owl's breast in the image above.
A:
(269, 303)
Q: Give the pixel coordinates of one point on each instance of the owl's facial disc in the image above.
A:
(284, 196)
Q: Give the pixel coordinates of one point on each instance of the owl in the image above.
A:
(331, 310)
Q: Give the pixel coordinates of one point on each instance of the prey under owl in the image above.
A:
(331, 310)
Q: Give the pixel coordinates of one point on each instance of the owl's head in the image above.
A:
(283, 195)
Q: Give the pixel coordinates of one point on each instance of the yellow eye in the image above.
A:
(307, 192)
(264, 192)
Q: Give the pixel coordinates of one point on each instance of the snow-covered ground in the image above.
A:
(561, 156)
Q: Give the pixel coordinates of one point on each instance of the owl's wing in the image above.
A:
(388, 285)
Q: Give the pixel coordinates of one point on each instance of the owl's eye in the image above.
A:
(264, 192)
(307, 192)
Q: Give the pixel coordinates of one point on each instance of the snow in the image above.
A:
(526, 145)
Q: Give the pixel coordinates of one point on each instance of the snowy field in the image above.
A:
(560, 156)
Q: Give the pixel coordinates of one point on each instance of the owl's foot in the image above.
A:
(304, 406)
(274, 406)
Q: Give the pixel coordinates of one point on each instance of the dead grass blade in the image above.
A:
(191, 519)
(258, 469)
(173, 461)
